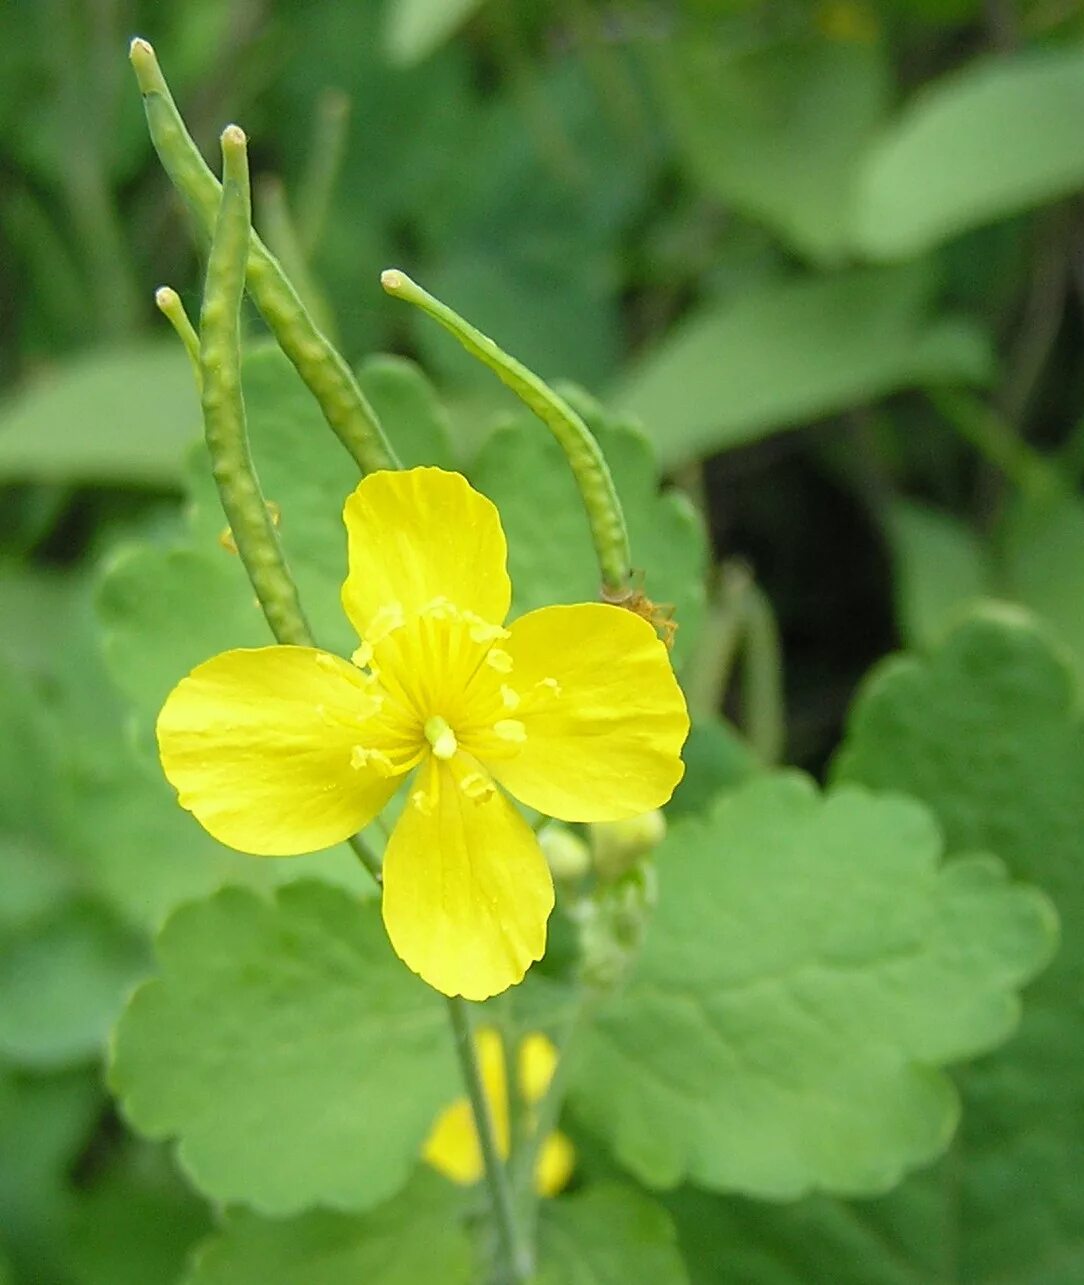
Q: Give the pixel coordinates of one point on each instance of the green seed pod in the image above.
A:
(319, 364)
(585, 458)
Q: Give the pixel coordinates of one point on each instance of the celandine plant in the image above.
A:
(756, 998)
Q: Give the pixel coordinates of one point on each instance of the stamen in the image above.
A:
(360, 757)
(363, 655)
(385, 621)
(509, 698)
(499, 660)
(441, 737)
(477, 787)
(423, 801)
(481, 631)
(510, 729)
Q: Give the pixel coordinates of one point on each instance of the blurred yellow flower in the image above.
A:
(452, 1147)
(573, 710)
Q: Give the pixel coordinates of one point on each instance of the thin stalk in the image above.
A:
(585, 458)
(324, 166)
(168, 302)
(707, 674)
(994, 438)
(518, 1114)
(319, 364)
(548, 1110)
(282, 235)
(762, 678)
(517, 1265)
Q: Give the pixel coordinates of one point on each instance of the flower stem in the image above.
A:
(515, 1252)
(583, 453)
(322, 368)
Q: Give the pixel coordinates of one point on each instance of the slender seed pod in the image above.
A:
(582, 451)
(224, 408)
(319, 364)
(224, 417)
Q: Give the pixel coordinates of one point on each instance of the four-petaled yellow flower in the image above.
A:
(452, 1146)
(573, 710)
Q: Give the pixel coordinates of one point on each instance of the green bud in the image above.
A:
(567, 856)
(612, 924)
(617, 846)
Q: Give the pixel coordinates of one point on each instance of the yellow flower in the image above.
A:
(573, 710)
(452, 1146)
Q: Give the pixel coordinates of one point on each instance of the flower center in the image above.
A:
(441, 737)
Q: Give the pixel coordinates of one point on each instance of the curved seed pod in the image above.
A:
(584, 456)
(224, 408)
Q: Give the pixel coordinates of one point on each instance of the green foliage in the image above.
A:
(988, 142)
(731, 219)
(941, 568)
(811, 963)
(988, 734)
(777, 130)
(116, 416)
(1043, 564)
(294, 1012)
(415, 28)
(791, 351)
(608, 1233)
(413, 1238)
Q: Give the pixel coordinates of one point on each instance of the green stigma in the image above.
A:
(441, 737)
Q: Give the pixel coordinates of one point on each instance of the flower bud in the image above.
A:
(566, 853)
(617, 846)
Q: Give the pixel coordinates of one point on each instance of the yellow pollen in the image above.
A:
(551, 684)
(509, 698)
(363, 655)
(499, 660)
(481, 631)
(389, 618)
(477, 787)
(361, 757)
(423, 801)
(510, 729)
(441, 737)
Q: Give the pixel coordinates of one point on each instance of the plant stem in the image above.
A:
(762, 678)
(319, 364)
(585, 458)
(517, 1266)
(324, 164)
(707, 673)
(994, 438)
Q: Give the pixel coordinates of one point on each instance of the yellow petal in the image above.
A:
(419, 535)
(537, 1063)
(466, 889)
(452, 1146)
(262, 748)
(556, 1160)
(603, 714)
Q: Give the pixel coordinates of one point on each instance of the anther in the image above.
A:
(510, 729)
(499, 660)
